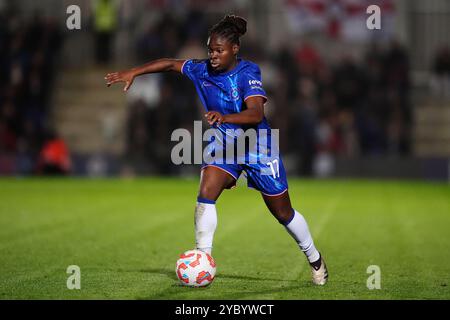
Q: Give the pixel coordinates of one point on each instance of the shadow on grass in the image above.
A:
(171, 274)
(215, 292)
(244, 291)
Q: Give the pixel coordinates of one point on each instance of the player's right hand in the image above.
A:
(123, 76)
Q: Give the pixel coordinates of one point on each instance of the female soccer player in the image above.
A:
(231, 91)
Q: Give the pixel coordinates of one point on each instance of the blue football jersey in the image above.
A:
(226, 92)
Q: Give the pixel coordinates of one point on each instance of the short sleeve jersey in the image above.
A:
(226, 92)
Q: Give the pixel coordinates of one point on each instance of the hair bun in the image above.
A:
(239, 23)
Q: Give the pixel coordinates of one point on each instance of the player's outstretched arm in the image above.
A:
(155, 66)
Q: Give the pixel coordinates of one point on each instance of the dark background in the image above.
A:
(348, 101)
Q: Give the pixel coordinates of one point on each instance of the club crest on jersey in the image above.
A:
(234, 93)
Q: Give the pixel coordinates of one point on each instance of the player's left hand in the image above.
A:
(214, 116)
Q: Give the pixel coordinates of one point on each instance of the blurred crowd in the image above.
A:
(440, 81)
(28, 48)
(356, 107)
(350, 109)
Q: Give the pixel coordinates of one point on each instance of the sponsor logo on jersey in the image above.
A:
(255, 82)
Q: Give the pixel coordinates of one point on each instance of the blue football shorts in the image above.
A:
(268, 178)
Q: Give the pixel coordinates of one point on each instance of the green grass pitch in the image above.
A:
(126, 236)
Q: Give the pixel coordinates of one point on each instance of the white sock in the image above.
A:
(298, 229)
(205, 224)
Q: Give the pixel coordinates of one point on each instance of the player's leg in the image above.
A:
(212, 182)
(270, 179)
(294, 222)
(297, 227)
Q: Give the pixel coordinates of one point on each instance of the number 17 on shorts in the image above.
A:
(274, 166)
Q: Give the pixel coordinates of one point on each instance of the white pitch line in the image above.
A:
(329, 210)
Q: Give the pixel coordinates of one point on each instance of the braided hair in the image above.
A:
(231, 28)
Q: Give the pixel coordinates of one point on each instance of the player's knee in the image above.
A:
(208, 192)
(283, 216)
